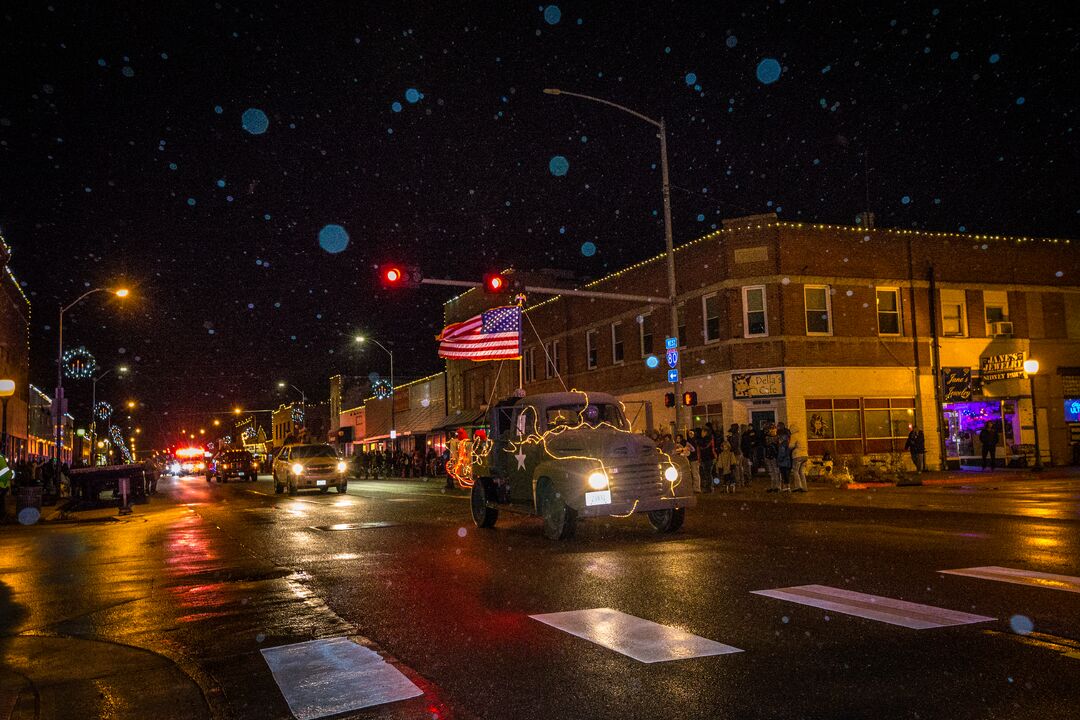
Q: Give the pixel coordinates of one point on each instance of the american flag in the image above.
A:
(492, 335)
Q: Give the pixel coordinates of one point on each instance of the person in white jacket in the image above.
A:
(799, 458)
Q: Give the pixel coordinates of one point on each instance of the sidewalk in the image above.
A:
(974, 476)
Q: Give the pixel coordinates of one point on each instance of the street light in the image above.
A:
(120, 293)
(1031, 367)
(93, 399)
(216, 422)
(360, 340)
(303, 398)
(672, 292)
(7, 389)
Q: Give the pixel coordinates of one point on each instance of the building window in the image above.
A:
(591, 336)
(818, 310)
(888, 311)
(953, 313)
(645, 330)
(858, 426)
(996, 304)
(710, 311)
(528, 360)
(755, 323)
(551, 364)
(616, 343)
(710, 413)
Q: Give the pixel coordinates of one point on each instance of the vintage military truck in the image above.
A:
(565, 456)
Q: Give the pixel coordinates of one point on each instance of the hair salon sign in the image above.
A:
(1006, 366)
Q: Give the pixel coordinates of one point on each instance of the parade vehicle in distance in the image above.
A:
(315, 466)
(239, 464)
(571, 455)
(188, 461)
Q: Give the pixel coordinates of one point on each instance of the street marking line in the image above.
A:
(1068, 583)
(642, 640)
(873, 607)
(1063, 646)
(332, 676)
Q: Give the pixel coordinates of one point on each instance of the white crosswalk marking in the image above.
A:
(642, 640)
(874, 607)
(327, 677)
(1068, 583)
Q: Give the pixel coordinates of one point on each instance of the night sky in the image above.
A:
(197, 154)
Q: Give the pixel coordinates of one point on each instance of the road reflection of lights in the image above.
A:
(344, 502)
(345, 556)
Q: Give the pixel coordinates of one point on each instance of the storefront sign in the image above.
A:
(747, 386)
(1006, 366)
(956, 384)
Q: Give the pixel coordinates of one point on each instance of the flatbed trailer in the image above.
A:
(89, 482)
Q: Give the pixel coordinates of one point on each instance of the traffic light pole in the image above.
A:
(644, 299)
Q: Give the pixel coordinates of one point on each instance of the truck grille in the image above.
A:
(637, 480)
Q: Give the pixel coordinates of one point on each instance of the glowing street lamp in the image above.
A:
(360, 340)
(1031, 367)
(7, 389)
(120, 293)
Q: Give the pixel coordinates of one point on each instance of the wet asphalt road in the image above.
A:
(164, 613)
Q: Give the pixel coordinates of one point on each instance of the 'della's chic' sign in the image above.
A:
(747, 386)
(956, 384)
(1005, 366)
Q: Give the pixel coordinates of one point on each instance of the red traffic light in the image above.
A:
(669, 399)
(400, 276)
(689, 398)
(495, 283)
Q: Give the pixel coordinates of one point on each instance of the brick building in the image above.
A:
(843, 332)
(14, 353)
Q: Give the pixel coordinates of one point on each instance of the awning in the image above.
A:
(460, 419)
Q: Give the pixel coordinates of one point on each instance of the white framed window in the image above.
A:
(755, 317)
(996, 308)
(528, 360)
(617, 347)
(953, 313)
(591, 354)
(551, 362)
(888, 311)
(710, 314)
(817, 301)
(645, 333)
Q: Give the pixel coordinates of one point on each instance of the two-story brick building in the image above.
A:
(842, 331)
(14, 353)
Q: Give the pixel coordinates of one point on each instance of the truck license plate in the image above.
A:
(320, 482)
(241, 473)
(600, 497)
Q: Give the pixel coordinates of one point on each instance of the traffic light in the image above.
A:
(393, 276)
(669, 399)
(496, 283)
(689, 398)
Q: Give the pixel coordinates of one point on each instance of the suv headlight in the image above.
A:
(298, 469)
(341, 466)
(598, 480)
(671, 473)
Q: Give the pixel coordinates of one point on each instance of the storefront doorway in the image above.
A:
(965, 420)
(758, 418)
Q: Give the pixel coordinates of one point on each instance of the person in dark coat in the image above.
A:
(706, 455)
(988, 438)
(916, 445)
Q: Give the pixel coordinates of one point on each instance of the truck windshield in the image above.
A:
(311, 451)
(592, 415)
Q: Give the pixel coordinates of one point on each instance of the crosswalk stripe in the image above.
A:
(874, 607)
(335, 675)
(1068, 583)
(642, 640)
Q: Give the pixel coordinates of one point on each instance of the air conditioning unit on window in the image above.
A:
(1001, 329)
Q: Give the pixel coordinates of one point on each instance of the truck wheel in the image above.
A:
(560, 521)
(278, 487)
(482, 515)
(292, 486)
(667, 521)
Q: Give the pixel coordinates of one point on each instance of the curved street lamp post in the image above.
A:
(393, 400)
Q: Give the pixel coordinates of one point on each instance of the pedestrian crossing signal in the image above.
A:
(669, 399)
(689, 398)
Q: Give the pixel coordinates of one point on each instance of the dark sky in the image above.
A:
(124, 157)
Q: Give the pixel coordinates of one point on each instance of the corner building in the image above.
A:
(848, 333)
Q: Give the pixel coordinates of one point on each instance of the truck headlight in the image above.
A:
(298, 469)
(341, 466)
(598, 480)
(671, 474)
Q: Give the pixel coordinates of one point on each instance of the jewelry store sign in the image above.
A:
(1006, 366)
(750, 386)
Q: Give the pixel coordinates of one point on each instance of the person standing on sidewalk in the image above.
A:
(770, 451)
(988, 438)
(746, 450)
(783, 457)
(706, 455)
(916, 445)
(799, 458)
